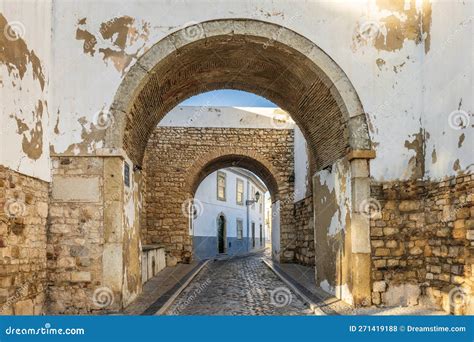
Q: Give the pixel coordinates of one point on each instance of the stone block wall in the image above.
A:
(23, 217)
(76, 234)
(93, 250)
(176, 160)
(304, 228)
(422, 242)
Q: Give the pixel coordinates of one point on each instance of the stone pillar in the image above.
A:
(360, 227)
(112, 259)
(86, 258)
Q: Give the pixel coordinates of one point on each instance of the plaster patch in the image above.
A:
(16, 56)
(92, 138)
(120, 40)
(457, 165)
(461, 140)
(345, 293)
(396, 22)
(434, 158)
(416, 164)
(75, 189)
(380, 63)
(32, 143)
(327, 287)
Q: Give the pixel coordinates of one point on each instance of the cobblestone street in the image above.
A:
(238, 286)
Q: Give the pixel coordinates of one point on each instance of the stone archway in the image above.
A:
(249, 55)
(175, 165)
(274, 62)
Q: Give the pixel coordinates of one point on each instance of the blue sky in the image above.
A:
(228, 98)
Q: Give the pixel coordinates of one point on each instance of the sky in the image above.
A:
(228, 98)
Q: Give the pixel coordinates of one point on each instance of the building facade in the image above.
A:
(379, 89)
(226, 219)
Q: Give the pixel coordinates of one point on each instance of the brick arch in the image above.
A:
(250, 55)
(249, 160)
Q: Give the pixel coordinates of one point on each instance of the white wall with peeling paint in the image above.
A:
(448, 93)
(91, 81)
(301, 166)
(399, 90)
(333, 204)
(22, 93)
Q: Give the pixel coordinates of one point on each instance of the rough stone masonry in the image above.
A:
(178, 158)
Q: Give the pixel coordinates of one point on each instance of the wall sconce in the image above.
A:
(250, 202)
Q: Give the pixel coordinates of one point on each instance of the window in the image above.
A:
(240, 192)
(240, 229)
(221, 186)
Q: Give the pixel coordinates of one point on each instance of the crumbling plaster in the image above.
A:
(25, 48)
(385, 89)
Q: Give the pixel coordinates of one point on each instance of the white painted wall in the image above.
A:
(448, 88)
(276, 229)
(400, 97)
(301, 166)
(230, 117)
(268, 217)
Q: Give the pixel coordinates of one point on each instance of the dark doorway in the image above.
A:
(221, 234)
(261, 235)
(253, 234)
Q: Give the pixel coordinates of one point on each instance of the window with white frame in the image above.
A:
(240, 229)
(221, 186)
(239, 192)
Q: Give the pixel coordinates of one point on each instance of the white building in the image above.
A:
(228, 217)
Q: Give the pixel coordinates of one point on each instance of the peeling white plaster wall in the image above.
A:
(338, 180)
(19, 96)
(301, 166)
(92, 83)
(448, 71)
(336, 194)
(82, 85)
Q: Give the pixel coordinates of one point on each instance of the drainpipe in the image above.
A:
(248, 215)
